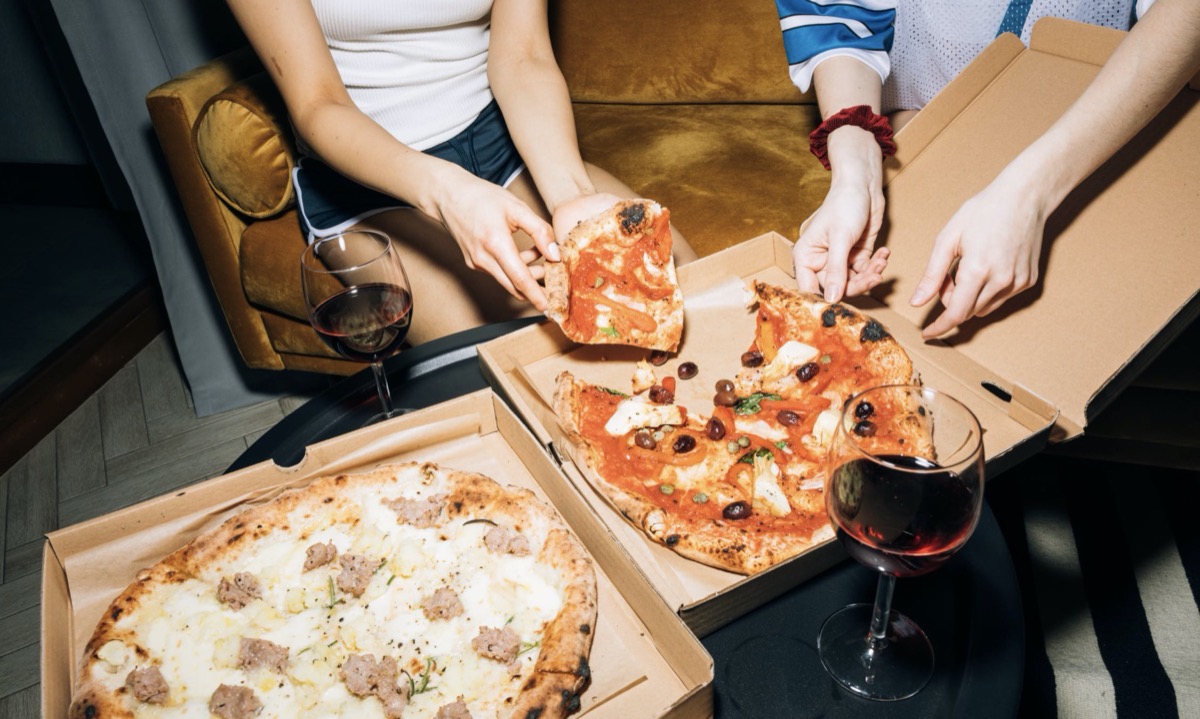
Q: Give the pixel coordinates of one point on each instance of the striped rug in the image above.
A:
(1108, 557)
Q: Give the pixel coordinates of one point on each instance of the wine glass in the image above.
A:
(359, 301)
(901, 507)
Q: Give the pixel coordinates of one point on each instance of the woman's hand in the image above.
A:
(836, 249)
(482, 218)
(996, 239)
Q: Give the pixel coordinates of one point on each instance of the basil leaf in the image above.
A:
(618, 393)
(749, 457)
(753, 403)
(610, 331)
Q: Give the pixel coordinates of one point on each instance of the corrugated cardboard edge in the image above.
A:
(483, 412)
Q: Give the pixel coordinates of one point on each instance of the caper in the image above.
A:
(733, 447)
(658, 435)
(724, 385)
(736, 510)
(684, 443)
(863, 410)
(699, 497)
(788, 417)
(715, 429)
(865, 428)
(661, 395)
(644, 440)
(807, 371)
(687, 370)
(599, 281)
(743, 441)
(659, 358)
(666, 488)
(725, 398)
(753, 358)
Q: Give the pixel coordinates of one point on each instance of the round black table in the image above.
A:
(765, 662)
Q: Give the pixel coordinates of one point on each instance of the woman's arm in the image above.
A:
(480, 216)
(997, 235)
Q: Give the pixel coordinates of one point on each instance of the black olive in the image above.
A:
(724, 385)
(736, 510)
(684, 443)
(658, 358)
(715, 429)
(865, 428)
(661, 395)
(644, 439)
(863, 410)
(807, 371)
(725, 398)
(788, 417)
(753, 358)
(687, 370)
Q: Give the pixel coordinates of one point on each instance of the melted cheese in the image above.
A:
(635, 413)
(195, 638)
(790, 356)
(766, 488)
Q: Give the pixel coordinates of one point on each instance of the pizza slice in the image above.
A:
(616, 282)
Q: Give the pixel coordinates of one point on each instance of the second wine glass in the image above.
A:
(359, 301)
(904, 490)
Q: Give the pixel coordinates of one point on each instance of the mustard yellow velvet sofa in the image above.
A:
(687, 102)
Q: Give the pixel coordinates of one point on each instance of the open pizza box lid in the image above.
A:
(1034, 372)
(645, 662)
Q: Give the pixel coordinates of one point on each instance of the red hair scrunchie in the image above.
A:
(859, 116)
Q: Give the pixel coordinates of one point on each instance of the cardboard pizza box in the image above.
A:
(645, 662)
(1120, 279)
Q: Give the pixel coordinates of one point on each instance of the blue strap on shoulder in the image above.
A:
(1014, 17)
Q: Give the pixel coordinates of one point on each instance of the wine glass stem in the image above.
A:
(385, 392)
(883, 609)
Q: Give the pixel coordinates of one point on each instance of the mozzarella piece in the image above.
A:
(635, 413)
(791, 354)
(761, 428)
(766, 488)
(825, 425)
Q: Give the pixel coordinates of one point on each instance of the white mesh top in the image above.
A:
(918, 46)
(419, 69)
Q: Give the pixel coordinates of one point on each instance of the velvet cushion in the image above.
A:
(245, 146)
(667, 51)
(726, 172)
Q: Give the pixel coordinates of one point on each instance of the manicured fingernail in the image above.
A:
(552, 253)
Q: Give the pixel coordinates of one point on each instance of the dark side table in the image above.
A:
(765, 662)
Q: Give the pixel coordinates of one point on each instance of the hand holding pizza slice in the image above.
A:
(616, 282)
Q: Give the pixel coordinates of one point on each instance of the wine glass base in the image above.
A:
(896, 668)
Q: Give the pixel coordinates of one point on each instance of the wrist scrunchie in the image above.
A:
(859, 116)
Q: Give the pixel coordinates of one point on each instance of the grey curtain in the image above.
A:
(123, 49)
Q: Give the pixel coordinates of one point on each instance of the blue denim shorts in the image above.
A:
(329, 202)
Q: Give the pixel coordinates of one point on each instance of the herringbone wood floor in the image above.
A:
(136, 438)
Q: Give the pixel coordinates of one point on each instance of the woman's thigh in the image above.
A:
(447, 295)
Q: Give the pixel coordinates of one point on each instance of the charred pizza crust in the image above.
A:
(616, 282)
(445, 502)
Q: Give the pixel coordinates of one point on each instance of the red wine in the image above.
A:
(366, 323)
(901, 523)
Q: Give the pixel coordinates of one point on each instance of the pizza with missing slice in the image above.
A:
(740, 485)
(616, 282)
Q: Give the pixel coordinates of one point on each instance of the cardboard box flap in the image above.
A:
(1120, 262)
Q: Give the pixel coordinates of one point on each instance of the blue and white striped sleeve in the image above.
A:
(816, 30)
